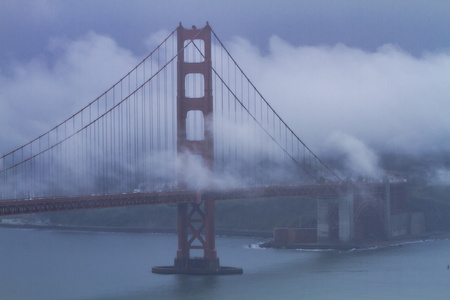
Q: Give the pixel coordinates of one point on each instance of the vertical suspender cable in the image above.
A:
(127, 139)
(158, 120)
(165, 115)
(144, 129)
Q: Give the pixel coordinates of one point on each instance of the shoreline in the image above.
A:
(397, 241)
(219, 231)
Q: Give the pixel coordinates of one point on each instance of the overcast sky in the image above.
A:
(356, 76)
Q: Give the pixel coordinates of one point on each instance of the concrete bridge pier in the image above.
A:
(335, 223)
(323, 225)
(346, 218)
(387, 209)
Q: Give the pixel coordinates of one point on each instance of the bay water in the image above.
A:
(54, 264)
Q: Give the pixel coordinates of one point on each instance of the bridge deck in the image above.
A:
(49, 204)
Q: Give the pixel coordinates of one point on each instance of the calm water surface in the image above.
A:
(39, 264)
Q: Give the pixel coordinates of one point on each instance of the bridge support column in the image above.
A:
(183, 249)
(346, 221)
(335, 222)
(323, 224)
(387, 209)
(196, 231)
(195, 225)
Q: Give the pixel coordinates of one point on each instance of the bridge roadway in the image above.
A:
(49, 204)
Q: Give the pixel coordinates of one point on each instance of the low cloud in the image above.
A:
(355, 156)
(388, 99)
(338, 100)
(41, 93)
(440, 176)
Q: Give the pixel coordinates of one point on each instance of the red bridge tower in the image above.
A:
(196, 228)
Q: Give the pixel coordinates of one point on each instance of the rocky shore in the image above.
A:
(367, 244)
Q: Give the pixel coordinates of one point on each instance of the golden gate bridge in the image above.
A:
(186, 126)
